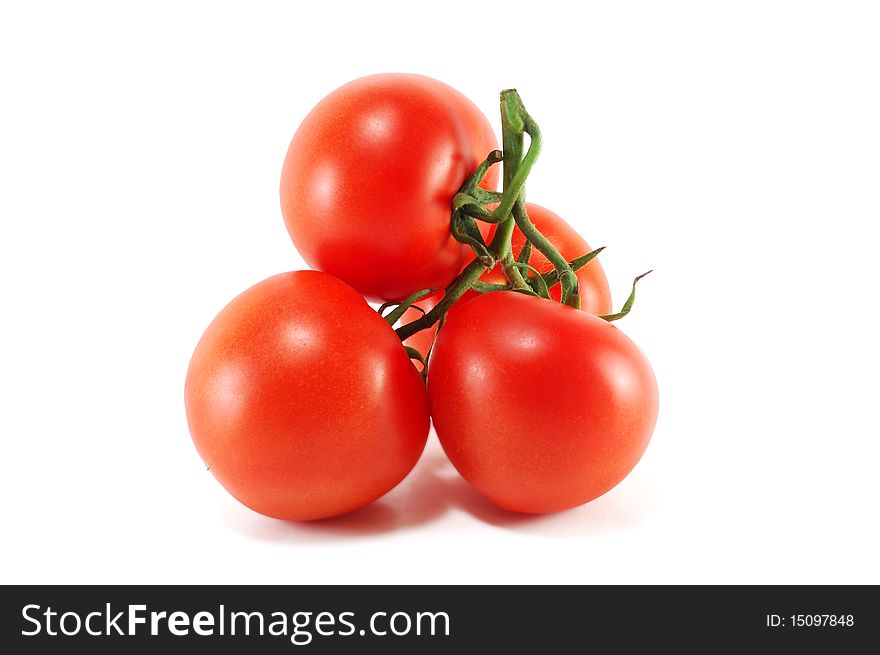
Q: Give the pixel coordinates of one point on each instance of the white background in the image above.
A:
(732, 147)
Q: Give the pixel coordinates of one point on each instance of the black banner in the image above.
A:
(435, 619)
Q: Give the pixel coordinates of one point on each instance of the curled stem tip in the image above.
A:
(627, 306)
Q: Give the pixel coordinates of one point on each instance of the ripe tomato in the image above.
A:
(539, 406)
(301, 400)
(369, 177)
(592, 284)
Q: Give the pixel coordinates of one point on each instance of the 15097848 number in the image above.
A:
(821, 620)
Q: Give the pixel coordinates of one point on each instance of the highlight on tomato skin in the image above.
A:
(539, 406)
(369, 177)
(302, 401)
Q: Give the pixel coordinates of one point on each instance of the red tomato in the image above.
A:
(369, 177)
(592, 283)
(539, 406)
(301, 400)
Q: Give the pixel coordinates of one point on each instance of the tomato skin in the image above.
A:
(593, 286)
(539, 406)
(369, 177)
(301, 400)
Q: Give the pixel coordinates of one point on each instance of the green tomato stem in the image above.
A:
(563, 269)
(454, 291)
(512, 126)
(516, 122)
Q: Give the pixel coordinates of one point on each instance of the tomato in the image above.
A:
(369, 177)
(301, 400)
(593, 286)
(539, 406)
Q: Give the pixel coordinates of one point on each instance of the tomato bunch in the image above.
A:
(306, 403)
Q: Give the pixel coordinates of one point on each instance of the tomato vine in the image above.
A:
(472, 203)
